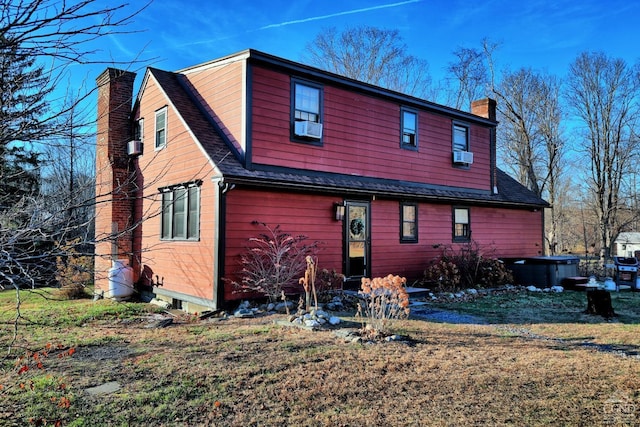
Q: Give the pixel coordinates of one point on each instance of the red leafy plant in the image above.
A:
(273, 262)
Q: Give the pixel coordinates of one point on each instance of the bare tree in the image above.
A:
(371, 55)
(604, 94)
(470, 75)
(39, 41)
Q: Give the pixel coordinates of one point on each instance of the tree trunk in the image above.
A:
(599, 302)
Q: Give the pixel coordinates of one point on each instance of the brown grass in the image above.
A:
(243, 372)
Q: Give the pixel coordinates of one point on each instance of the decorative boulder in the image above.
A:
(333, 320)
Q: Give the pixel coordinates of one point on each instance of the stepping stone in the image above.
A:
(106, 388)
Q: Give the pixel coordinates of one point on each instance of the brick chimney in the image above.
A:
(484, 108)
(114, 201)
(487, 108)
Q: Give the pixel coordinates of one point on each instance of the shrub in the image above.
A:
(273, 262)
(469, 267)
(73, 273)
(328, 282)
(444, 274)
(384, 299)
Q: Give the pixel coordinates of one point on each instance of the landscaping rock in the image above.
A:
(532, 288)
(344, 334)
(321, 314)
(244, 313)
(312, 323)
(160, 303)
(106, 388)
(335, 304)
(557, 289)
(333, 320)
(282, 306)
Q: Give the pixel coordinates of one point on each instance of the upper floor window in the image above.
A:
(460, 138)
(409, 129)
(306, 111)
(181, 212)
(161, 128)
(461, 225)
(408, 222)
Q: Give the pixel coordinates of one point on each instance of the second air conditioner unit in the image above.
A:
(463, 157)
(134, 148)
(308, 129)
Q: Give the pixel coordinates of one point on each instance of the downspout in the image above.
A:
(493, 162)
(220, 188)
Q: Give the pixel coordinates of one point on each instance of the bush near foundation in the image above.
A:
(273, 262)
(464, 267)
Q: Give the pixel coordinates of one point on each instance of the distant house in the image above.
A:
(627, 243)
(378, 177)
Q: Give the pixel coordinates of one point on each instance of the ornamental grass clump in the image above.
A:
(384, 299)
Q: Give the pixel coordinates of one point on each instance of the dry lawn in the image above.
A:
(252, 372)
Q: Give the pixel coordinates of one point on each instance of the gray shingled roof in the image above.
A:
(183, 98)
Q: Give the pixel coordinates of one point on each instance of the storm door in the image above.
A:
(357, 239)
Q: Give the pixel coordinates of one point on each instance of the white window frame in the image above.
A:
(301, 111)
(162, 131)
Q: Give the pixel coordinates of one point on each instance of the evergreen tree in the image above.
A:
(23, 123)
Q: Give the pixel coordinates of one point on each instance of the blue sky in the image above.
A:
(544, 35)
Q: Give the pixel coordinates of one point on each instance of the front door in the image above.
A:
(357, 240)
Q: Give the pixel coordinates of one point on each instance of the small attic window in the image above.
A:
(161, 128)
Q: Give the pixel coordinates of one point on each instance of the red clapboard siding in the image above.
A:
(361, 135)
(519, 233)
(518, 236)
(185, 267)
(220, 89)
(313, 216)
(297, 214)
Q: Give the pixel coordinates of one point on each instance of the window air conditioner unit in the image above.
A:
(308, 129)
(462, 157)
(134, 148)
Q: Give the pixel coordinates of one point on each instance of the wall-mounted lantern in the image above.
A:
(339, 210)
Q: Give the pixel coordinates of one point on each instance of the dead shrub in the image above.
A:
(72, 291)
(73, 273)
(384, 299)
(273, 262)
(468, 266)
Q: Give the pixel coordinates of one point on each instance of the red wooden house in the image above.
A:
(376, 176)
